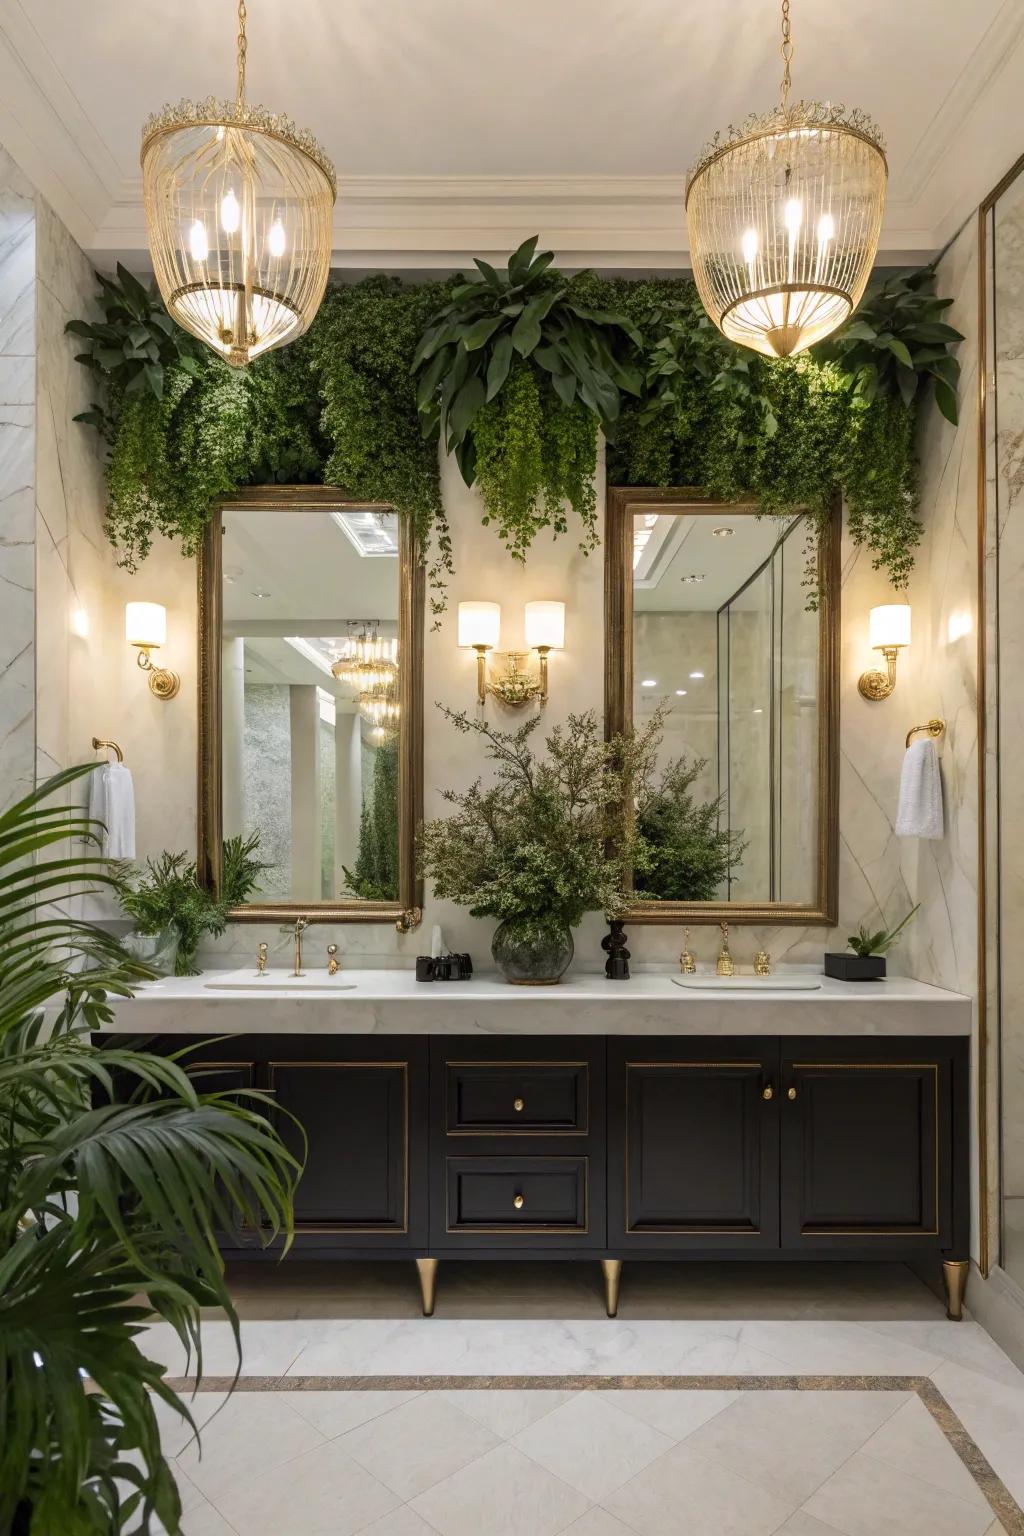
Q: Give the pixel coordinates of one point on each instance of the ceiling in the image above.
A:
(459, 127)
(723, 562)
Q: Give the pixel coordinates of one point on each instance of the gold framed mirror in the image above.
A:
(311, 704)
(708, 612)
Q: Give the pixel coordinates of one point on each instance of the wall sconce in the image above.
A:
(145, 626)
(479, 630)
(890, 632)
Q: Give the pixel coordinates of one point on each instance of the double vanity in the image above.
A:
(790, 1117)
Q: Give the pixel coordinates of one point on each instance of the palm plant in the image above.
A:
(115, 1174)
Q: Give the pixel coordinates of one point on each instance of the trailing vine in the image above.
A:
(518, 369)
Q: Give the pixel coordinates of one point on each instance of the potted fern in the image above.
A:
(110, 1202)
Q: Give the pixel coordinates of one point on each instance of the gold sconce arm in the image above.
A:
(878, 685)
(481, 672)
(163, 682)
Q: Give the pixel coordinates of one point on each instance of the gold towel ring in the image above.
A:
(935, 727)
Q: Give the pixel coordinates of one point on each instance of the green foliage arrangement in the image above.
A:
(518, 369)
(167, 894)
(864, 943)
(375, 875)
(516, 372)
(687, 856)
(548, 840)
(108, 1205)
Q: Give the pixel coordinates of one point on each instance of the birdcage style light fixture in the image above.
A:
(239, 210)
(784, 215)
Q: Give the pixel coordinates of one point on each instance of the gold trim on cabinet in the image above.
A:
(585, 1131)
(628, 1228)
(558, 1227)
(406, 910)
(621, 503)
(884, 1066)
(341, 1226)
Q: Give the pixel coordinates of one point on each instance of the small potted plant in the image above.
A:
(549, 840)
(867, 960)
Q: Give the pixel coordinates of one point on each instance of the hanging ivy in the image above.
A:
(518, 370)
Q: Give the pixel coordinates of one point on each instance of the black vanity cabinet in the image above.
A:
(693, 1144)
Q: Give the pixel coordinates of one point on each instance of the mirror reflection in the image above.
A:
(724, 640)
(310, 703)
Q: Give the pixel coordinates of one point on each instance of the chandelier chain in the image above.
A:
(787, 54)
(242, 50)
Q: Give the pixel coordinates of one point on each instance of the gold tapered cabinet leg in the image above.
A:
(612, 1270)
(954, 1278)
(428, 1284)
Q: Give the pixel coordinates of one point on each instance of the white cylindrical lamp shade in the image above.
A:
(890, 625)
(545, 626)
(145, 623)
(479, 624)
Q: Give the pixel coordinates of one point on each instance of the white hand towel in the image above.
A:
(920, 807)
(112, 801)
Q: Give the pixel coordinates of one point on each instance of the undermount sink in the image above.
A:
(248, 980)
(776, 983)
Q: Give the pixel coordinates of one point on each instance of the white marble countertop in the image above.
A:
(392, 1002)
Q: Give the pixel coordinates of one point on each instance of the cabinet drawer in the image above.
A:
(517, 1194)
(517, 1098)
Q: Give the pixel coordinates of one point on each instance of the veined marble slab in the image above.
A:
(392, 1002)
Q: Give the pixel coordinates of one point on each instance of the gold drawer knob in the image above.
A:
(518, 1105)
(790, 1093)
(768, 1092)
(518, 1202)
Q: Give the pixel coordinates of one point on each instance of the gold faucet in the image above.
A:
(261, 959)
(687, 964)
(725, 966)
(333, 963)
(300, 924)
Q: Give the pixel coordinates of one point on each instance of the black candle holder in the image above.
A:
(616, 967)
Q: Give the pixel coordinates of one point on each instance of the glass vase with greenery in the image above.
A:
(547, 841)
(116, 1171)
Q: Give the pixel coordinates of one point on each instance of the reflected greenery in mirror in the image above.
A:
(710, 633)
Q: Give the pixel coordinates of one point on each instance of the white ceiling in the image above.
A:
(460, 126)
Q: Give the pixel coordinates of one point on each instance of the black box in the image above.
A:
(846, 966)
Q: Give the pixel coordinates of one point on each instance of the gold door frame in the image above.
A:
(622, 503)
(406, 911)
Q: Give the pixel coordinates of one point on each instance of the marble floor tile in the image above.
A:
(597, 1522)
(716, 1502)
(323, 1492)
(911, 1439)
(994, 1415)
(520, 1498)
(252, 1433)
(507, 1413)
(791, 1442)
(838, 1348)
(966, 1343)
(867, 1497)
(803, 1524)
(335, 1413)
(676, 1414)
(206, 1521)
(592, 1445)
(403, 1521)
(420, 1444)
(268, 1348)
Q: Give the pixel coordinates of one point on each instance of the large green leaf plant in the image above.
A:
(116, 1171)
(517, 372)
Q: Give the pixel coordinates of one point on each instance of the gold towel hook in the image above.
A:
(99, 744)
(935, 727)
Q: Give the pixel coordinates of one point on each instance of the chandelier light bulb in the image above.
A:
(230, 213)
(277, 239)
(784, 215)
(197, 241)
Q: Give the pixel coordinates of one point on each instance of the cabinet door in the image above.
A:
(865, 1146)
(693, 1146)
(356, 1118)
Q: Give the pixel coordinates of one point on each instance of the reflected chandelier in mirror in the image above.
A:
(311, 669)
(708, 619)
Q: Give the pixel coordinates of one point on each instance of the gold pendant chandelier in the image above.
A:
(239, 209)
(784, 217)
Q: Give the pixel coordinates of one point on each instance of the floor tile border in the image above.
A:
(1002, 1503)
